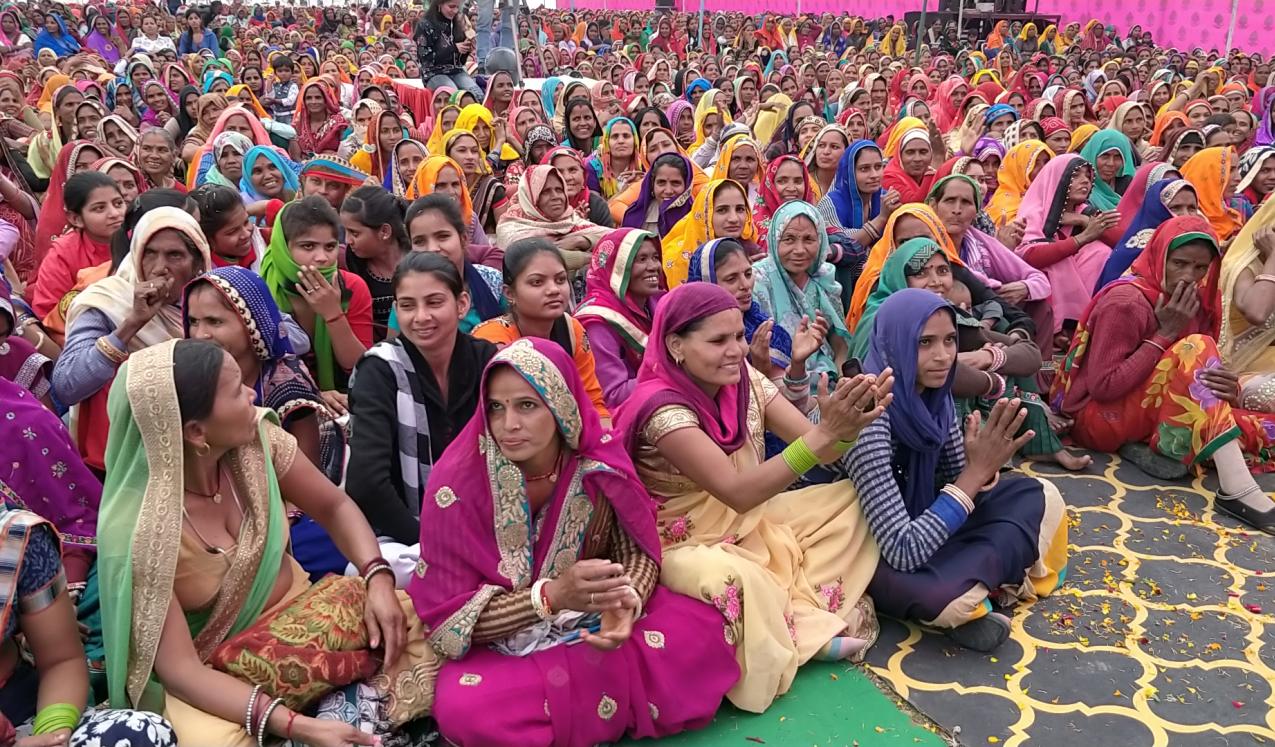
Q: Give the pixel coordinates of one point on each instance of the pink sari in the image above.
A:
(1072, 279)
(478, 548)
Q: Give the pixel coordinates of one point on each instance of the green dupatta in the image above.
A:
(140, 529)
(1103, 196)
(281, 273)
(893, 279)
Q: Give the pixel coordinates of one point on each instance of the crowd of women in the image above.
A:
(333, 401)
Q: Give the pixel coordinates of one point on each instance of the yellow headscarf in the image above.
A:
(427, 176)
(886, 245)
(701, 117)
(484, 166)
(722, 168)
(769, 121)
(233, 93)
(901, 128)
(470, 116)
(1081, 136)
(689, 233)
(435, 142)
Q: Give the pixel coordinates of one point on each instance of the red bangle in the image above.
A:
(544, 597)
(287, 730)
(363, 569)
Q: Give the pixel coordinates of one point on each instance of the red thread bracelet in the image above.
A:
(368, 565)
(287, 730)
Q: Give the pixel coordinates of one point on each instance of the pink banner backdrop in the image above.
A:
(1177, 23)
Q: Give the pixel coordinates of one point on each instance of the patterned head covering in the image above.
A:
(249, 297)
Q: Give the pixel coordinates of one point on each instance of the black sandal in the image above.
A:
(1263, 521)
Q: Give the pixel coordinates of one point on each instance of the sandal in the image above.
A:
(1263, 521)
(1153, 463)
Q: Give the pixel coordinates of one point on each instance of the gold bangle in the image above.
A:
(112, 353)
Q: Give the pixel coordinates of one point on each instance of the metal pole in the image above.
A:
(1230, 29)
(920, 29)
(960, 18)
(701, 24)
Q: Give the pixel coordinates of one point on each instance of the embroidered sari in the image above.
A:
(788, 575)
(1247, 348)
(480, 557)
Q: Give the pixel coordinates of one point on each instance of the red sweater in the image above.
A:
(359, 314)
(1119, 358)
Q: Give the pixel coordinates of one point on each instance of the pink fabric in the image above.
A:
(572, 695)
(662, 382)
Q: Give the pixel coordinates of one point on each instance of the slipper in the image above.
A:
(1155, 464)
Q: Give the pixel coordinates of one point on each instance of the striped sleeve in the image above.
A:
(906, 543)
(952, 456)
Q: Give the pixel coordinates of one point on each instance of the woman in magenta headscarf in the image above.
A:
(504, 603)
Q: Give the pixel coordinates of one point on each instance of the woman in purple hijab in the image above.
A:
(959, 544)
(537, 535)
(103, 40)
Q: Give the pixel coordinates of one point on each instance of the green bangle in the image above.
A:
(798, 456)
(844, 446)
(56, 717)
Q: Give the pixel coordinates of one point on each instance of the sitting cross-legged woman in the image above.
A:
(951, 555)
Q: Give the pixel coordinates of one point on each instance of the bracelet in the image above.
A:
(1264, 276)
(366, 566)
(287, 730)
(998, 357)
(252, 706)
(1155, 344)
(112, 353)
(995, 386)
(261, 730)
(637, 613)
(334, 319)
(540, 600)
(382, 567)
(961, 496)
(798, 456)
(995, 481)
(56, 717)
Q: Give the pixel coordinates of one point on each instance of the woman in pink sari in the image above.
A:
(506, 603)
(1062, 235)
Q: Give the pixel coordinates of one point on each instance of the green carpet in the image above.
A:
(829, 704)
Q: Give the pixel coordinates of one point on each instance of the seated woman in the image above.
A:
(375, 241)
(132, 309)
(538, 292)
(1247, 339)
(909, 169)
(232, 307)
(664, 196)
(624, 283)
(787, 568)
(656, 662)
(489, 195)
(94, 209)
(269, 180)
(1212, 172)
(216, 567)
(332, 305)
(156, 156)
(543, 210)
(1061, 237)
(1144, 369)
(430, 368)
(48, 697)
(443, 175)
(1256, 179)
(955, 200)
(237, 118)
(945, 552)
(796, 286)
(1165, 199)
(1110, 154)
(720, 211)
(585, 201)
(615, 164)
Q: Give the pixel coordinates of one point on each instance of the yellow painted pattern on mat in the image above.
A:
(1124, 587)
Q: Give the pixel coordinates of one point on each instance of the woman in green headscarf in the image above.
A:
(1111, 155)
(192, 551)
(332, 305)
(991, 364)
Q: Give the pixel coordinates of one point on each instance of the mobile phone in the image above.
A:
(851, 368)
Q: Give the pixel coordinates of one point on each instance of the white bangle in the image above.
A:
(637, 613)
(538, 600)
(961, 497)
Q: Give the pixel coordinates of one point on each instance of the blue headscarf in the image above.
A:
(699, 84)
(211, 76)
(250, 298)
(1153, 212)
(844, 194)
(287, 169)
(703, 268)
(919, 421)
(547, 91)
(996, 111)
(62, 44)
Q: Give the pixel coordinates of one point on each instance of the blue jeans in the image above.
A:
(486, 11)
(460, 79)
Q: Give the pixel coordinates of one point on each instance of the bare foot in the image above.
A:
(1060, 424)
(1067, 460)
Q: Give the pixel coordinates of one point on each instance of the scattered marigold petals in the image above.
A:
(1237, 703)
(1256, 609)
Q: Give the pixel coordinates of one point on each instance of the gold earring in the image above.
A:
(203, 450)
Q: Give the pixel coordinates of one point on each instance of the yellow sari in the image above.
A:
(790, 574)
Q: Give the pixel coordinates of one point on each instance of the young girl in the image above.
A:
(376, 240)
(127, 177)
(538, 290)
(232, 237)
(94, 209)
(332, 305)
